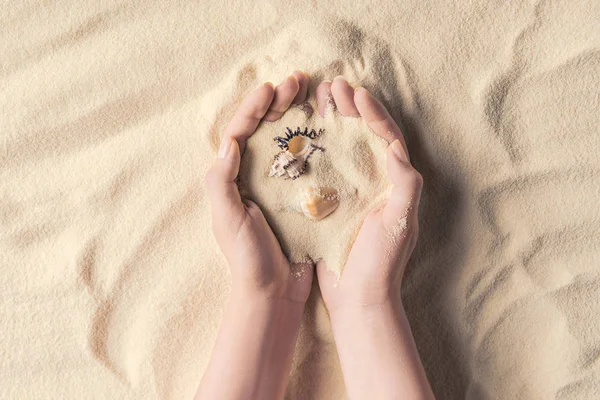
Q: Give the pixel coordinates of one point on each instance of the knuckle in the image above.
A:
(255, 211)
(273, 115)
(211, 177)
(416, 179)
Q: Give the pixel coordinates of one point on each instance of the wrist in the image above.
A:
(354, 315)
(242, 300)
(255, 346)
(283, 288)
(378, 353)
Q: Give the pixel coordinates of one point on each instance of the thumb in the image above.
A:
(225, 201)
(406, 190)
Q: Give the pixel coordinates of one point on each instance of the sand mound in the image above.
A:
(112, 284)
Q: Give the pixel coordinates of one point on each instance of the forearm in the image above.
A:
(378, 353)
(253, 353)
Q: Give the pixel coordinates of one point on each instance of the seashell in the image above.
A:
(282, 162)
(297, 148)
(283, 142)
(286, 164)
(296, 168)
(317, 203)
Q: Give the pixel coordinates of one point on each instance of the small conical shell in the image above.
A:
(293, 163)
(296, 168)
(281, 163)
(318, 203)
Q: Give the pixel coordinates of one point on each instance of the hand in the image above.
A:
(257, 264)
(377, 352)
(375, 266)
(253, 353)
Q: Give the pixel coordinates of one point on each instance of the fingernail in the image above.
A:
(340, 77)
(270, 84)
(224, 146)
(398, 150)
(293, 77)
(326, 80)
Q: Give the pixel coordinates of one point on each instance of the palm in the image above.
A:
(375, 264)
(258, 246)
(379, 254)
(255, 257)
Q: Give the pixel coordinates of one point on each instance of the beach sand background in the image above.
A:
(112, 285)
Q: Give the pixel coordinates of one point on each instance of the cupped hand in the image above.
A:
(373, 272)
(257, 264)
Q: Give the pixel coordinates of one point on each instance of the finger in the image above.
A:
(285, 92)
(300, 273)
(324, 97)
(377, 117)
(326, 277)
(343, 95)
(249, 113)
(225, 201)
(303, 80)
(406, 191)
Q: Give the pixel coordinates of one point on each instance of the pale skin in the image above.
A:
(253, 353)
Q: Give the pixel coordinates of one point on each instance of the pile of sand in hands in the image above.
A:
(315, 207)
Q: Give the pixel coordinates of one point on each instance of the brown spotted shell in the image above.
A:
(292, 162)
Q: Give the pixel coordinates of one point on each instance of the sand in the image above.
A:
(111, 282)
(351, 160)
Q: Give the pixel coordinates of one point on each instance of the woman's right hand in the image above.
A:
(257, 264)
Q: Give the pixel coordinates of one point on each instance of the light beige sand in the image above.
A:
(111, 283)
(352, 162)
